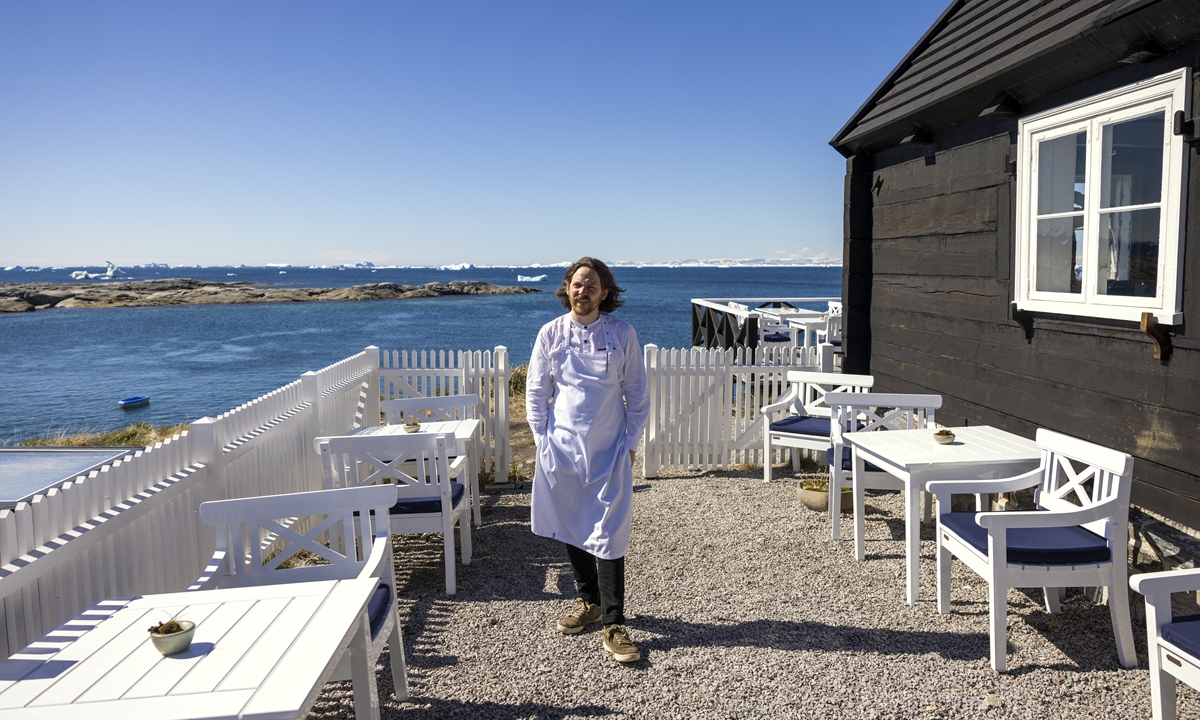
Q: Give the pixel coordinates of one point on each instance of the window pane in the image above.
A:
(1128, 259)
(1131, 171)
(1059, 250)
(1062, 166)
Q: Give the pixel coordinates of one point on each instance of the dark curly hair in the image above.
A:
(611, 302)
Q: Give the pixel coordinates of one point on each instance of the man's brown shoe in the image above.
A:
(616, 641)
(584, 614)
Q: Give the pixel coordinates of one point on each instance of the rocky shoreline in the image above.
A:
(182, 291)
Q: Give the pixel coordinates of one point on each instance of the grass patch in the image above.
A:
(136, 435)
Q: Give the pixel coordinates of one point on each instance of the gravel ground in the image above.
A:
(742, 607)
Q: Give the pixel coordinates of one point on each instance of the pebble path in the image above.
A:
(742, 607)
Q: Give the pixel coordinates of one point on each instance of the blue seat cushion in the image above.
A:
(777, 337)
(1036, 546)
(835, 343)
(803, 425)
(848, 460)
(1184, 633)
(431, 504)
(377, 608)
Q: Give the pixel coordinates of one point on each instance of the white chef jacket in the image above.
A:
(583, 479)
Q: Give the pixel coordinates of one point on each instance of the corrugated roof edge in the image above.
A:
(893, 75)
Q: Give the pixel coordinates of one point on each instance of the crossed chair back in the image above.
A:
(417, 465)
(355, 521)
(805, 423)
(869, 412)
(1077, 536)
(430, 409)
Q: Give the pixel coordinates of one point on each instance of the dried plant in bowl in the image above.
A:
(173, 636)
(944, 436)
(814, 494)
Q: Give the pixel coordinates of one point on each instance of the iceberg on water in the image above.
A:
(110, 272)
(530, 278)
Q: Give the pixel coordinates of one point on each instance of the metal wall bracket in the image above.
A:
(1157, 333)
(1184, 126)
(1024, 318)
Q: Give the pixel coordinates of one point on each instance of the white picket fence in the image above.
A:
(704, 403)
(130, 528)
(429, 373)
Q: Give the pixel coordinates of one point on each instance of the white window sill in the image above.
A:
(1108, 312)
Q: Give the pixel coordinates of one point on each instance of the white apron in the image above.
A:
(583, 480)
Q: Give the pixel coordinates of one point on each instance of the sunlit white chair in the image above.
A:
(442, 408)
(428, 501)
(255, 536)
(803, 422)
(1075, 538)
(1173, 643)
(869, 412)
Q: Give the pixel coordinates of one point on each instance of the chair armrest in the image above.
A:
(966, 487)
(212, 574)
(1166, 582)
(457, 465)
(379, 555)
(788, 399)
(1044, 518)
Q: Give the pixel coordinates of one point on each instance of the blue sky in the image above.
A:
(432, 132)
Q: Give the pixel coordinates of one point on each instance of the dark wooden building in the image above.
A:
(1017, 229)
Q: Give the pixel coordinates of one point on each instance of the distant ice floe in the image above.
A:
(111, 271)
(457, 266)
(530, 278)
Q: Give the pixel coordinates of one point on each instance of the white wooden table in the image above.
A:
(913, 456)
(258, 653)
(466, 442)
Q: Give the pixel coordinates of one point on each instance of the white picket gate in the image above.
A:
(704, 403)
(429, 373)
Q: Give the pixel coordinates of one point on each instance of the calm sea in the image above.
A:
(66, 369)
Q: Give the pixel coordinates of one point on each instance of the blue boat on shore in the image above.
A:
(133, 402)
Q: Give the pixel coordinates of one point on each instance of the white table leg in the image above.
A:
(912, 537)
(860, 509)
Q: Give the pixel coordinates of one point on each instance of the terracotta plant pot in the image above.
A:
(816, 496)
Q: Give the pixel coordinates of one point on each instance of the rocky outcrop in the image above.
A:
(142, 293)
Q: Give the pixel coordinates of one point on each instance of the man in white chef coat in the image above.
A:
(586, 402)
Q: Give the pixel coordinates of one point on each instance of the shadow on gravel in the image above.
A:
(810, 636)
(499, 711)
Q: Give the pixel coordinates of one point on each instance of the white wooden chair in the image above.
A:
(829, 339)
(1076, 537)
(869, 412)
(249, 529)
(1173, 643)
(805, 424)
(437, 409)
(428, 501)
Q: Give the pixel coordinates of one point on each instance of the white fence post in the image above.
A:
(371, 409)
(650, 448)
(205, 452)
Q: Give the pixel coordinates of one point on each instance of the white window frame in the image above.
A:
(1169, 92)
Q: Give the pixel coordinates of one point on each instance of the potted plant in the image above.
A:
(173, 636)
(815, 495)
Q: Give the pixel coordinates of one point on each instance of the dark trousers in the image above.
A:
(600, 582)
